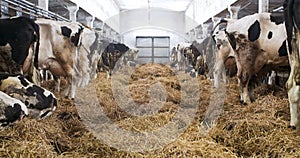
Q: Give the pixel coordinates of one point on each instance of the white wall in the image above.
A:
(129, 37)
(201, 10)
(106, 10)
(171, 20)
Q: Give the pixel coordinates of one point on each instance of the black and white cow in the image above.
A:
(178, 56)
(130, 58)
(292, 23)
(22, 35)
(68, 50)
(189, 57)
(11, 109)
(39, 101)
(258, 42)
(197, 59)
(110, 56)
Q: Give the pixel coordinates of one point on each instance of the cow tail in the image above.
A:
(35, 74)
(36, 53)
(289, 22)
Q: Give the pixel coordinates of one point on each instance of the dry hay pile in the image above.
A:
(257, 130)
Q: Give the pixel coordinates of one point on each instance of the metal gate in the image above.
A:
(155, 49)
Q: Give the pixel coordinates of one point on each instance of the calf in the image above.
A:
(292, 25)
(11, 109)
(39, 101)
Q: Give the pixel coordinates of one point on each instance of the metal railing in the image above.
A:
(19, 7)
(30, 9)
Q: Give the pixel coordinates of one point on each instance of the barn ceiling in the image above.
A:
(250, 7)
(247, 6)
(175, 5)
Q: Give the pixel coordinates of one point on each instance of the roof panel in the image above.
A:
(176, 5)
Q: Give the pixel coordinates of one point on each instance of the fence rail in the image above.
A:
(30, 9)
(16, 7)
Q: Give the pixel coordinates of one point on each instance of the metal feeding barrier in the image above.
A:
(12, 8)
(21, 6)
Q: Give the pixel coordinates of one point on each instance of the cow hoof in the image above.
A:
(292, 127)
(243, 102)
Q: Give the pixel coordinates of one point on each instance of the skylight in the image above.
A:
(175, 5)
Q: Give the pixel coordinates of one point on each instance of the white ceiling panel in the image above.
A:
(175, 5)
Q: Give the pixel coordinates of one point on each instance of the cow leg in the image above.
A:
(108, 74)
(293, 86)
(68, 87)
(57, 83)
(73, 89)
(50, 74)
(42, 75)
(244, 78)
(46, 75)
(293, 94)
(219, 73)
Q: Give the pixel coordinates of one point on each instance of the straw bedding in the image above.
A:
(256, 130)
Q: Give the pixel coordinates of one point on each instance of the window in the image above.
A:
(153, 49)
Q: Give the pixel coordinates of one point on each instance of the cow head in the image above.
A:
(173, 54)
(188, 54)
(113, 57)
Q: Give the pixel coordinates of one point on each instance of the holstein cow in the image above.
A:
(21, 34)
(39, 101)
(258, 42)
(110, 56)
(178, 55)
(292, 23)
(11, 109)
(189, 57)
(65, 53)
(196, 58)
(130, 57)
(89, 51)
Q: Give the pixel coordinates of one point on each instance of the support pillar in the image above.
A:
(43, 4)
(234, 10)
(215, 20)
(90, 21)
(192, 35)
(73, 12)
(263, 6)
(204, 30)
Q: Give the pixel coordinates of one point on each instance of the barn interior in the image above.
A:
(123, 21)
(153, 27)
